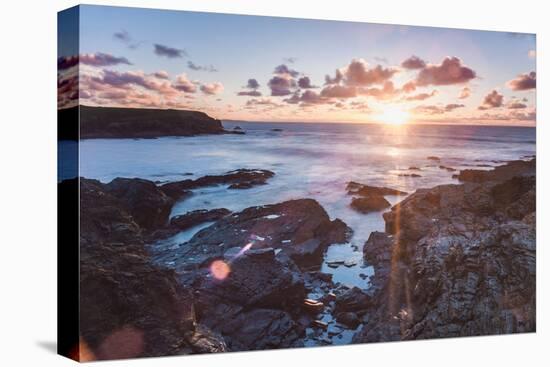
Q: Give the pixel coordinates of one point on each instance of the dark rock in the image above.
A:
(128, 307)
(142, 199)
(350, 319)
(352, 300)
(447, 168)
(500, 173)
(289, 226)
(196, 217)
(238, 179)
(369, 204)
(355, 188)
(414, 175)
(433, 158)
(461, 262)
(414, 168)
(115, 122)
(277, 129)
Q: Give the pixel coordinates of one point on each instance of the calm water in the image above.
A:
(310, 160)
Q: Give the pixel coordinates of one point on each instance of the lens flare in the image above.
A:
(220, 269)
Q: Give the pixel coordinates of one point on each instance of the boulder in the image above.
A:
(369, 204)
(355, 188)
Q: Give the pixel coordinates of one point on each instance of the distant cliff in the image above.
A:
(114, 122)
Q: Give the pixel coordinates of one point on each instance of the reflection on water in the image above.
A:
(310, 160)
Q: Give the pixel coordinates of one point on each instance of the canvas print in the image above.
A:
(236, 183)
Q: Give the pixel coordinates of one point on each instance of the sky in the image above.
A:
(282, 69)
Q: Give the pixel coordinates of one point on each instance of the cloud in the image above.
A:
(437, 110)
(250, 93)
(413, 62)
(465, 93)
(212, 88)
(339, 91)
(261, 102)
(308, 97)
(492, 100)
(388, 91)
(183, 84)
(124, 37)
(409, 87)
(98, 59)
(169, 52)
(453, 106)
(253, 85)
(281, 85)
(338, 77)
(381, 60)
(305, 83)
(290, 60)
(358, 74)
(161, 74)
(523, 82)
(516, 105)
(209, 68)
(66, 62)
(450, 71)
(421, 96)
(283, 70)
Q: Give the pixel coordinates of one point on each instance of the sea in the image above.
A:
(311, 160)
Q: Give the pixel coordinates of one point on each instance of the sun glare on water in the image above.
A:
(393, 116)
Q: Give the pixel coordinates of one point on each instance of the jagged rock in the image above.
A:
(237, 179)
(301, 228)
(142, 199)
(461, 261)
(369, 204)
(191, 219)
(352, 300)
(350, 319)
(500, 173)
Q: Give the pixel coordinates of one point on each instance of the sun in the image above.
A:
(393, 116)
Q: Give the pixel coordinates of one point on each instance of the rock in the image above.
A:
(414, 168)
(320, 324)
(128, 307)
(414, 175)
(350, 319)
(433, 158)
(446, 168)
(369, 204)
(237, 128)
(355, 188)
(461, 261)
(500, 173)
(115, 122)
(313, 306)
(196, 217)
(238, 179)
(352, 300)
(148, 205)
(277, 130)
(300, 228)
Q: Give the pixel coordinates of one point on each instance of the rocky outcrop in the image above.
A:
(301, 228)
(129, 307)
(115, 122)
(237, 179)
(369, 204)
(500, 173)
(371, 198)
(355, 188)
(196, 217)
(459, 260)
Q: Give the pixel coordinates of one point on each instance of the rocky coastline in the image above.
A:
(455, 260)
(135, 123)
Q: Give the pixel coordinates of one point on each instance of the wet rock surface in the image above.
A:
(458, 260)
(300, 228)
(128, 307)
(370, 198)
(238, 179)
(369, 204)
